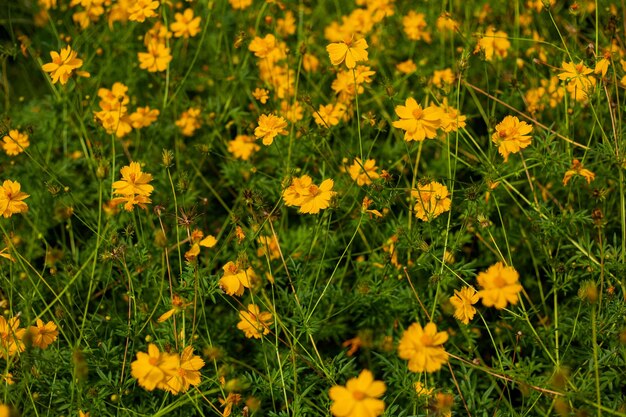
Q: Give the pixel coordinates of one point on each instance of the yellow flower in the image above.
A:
(143, 117)
(130, 201)
(11, 199)
(189, 121)
(463, 302)
(296, 193)
(261, 95)
(10, 337)
(453, 119)
(240, 4)
(133, 181)
(156, 59)
(5, 411)
(15, 142)
(442, 78)
(329, 115)
(363, 173)
(287, 25)
(579, 83)
(423, 348)
(318, 198)
(494, 43)
(421, 390)
(511, 136)
(418, 123)
(142, 9)
(152, 369)
(415, 26)
(187, 373)
(63, 65)
(269, 245)
(359, 398)
(243, 146)
(350, 51)
(230, 400)
(578, 169)
(253, 322)
(236, 280)
(602, 66)
(406, 67)
(186, 25)
(269, 126)
(431, 200)
(499, 286)
(264, 47)
(43, 335)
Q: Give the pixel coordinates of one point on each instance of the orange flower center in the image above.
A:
(153, 361)
(499, 282)
(426, 340)
(579, 68)
(502, 133)
(358, 395)
(417, 113)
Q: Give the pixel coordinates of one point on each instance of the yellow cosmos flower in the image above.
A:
(243, 146)
(308, 196)
(187, 373)
(463, 302)
(511, 136)
(142, 9)
(270, 126)
(15, 142)
(189, 121)
(350, 51)
(152, 369)
(10, 337)
(63, 65)
(418, 123)
(11, 199)
(423, 348)
(431, 200)
(359, 398)
(43, 335)
(578, 169)
(499, 286)
(236, 280)
(186, 25)
(156, 59)
(253, 322)
(363, 173)
(133, 181)
(494, 44)
(578, 79)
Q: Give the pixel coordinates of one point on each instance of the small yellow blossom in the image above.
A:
(431, 200)
(578, 169)
(406, 67)
(140, 10)
(63, 65)
(463, 302)
(43, 335)
(253, 322)
(423, 348)
(511, 136)
(270, 126)
(154, 368)
(261, 95)
(499, 286)
(418, 123)
(415, 26)
(189, 121)
(349, 50)
(494, 44)
(359, 398)
(10, 337)
(186, 25)
(186, 374)
(243, 146)
(156, 59)
(11, 199)
(363, 173)
(15, 142)
(235, 280)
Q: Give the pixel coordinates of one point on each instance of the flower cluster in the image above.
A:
(133, 189)
(113, 115)
(431, 200)
(189, 121)
(12, 336)
(173, 373)
(421, 123)
(308, 196)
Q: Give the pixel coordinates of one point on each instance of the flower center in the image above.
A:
(153, 361)
(499, 282)
(358, 395)
(417, 113)
(426, 340)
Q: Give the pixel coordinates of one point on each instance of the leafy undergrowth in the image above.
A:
(312, 208)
